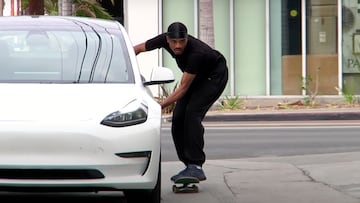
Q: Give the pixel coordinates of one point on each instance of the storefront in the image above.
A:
(310, 47)
(318, 48)
(276, 47)
(273, 47)
(351, 45)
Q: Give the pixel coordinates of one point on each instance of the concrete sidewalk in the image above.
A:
(327, 178)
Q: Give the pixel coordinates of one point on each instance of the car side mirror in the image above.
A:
(160, 75)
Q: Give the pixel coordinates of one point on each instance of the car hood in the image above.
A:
(63, 102)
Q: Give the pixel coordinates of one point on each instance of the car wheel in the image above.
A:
(151, 196)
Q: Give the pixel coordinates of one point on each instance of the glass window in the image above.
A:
(291, 47)
(321, 68)
(321, 43)
(351, 44)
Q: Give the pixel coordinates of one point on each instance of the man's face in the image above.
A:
(177, 45)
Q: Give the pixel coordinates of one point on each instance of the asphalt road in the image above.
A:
(264, 141)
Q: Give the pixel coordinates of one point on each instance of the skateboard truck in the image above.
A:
(185, 185)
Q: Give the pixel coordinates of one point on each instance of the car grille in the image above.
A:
(50, 174)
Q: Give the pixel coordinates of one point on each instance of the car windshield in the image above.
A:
(53, 55)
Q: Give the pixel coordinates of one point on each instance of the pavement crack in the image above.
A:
(227, 184)
(228, 170)
(308, 175)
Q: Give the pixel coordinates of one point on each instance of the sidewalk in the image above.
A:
(328, 178)
(325, 178)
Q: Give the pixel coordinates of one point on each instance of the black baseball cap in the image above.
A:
(177, 30)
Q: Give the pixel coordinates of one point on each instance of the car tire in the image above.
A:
(150, 196)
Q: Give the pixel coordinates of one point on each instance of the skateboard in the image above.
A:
(186, 185)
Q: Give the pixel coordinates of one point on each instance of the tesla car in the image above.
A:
(76, 113)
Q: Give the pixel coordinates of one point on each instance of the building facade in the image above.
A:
(273, 47)
(10, 7)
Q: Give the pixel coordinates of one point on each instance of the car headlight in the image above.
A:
(133, 113)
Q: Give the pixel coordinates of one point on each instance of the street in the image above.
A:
(224, 142)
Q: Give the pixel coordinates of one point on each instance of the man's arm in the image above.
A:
(179, 92)
(139, 48)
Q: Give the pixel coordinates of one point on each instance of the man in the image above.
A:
(204, 78)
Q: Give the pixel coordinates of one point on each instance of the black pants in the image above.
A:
(187, 129)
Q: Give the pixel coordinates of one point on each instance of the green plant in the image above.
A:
(50, 7)
(310, 99)
(90, 8)
(347, 93)
(307, 101)
(165, 93)
(231, 103)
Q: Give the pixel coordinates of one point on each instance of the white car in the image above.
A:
(75, 110)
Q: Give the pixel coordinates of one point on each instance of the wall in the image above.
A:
(10, 8)
(275, 47)
(142, 23)
(183, 11)
(222, 33)
(250, 51)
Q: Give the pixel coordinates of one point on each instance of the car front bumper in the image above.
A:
(80, 155)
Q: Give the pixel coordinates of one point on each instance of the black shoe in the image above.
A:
(174, 177)
(191, 171)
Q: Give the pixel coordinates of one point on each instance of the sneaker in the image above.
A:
(176, 176)
(192, 171)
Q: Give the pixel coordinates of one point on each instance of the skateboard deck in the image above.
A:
(186, 185)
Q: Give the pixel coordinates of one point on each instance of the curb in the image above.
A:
(288, 116)
(280, 115)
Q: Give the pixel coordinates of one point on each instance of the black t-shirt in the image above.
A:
(198, 57)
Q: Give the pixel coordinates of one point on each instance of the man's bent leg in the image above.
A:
(203, 97)
(177, 128)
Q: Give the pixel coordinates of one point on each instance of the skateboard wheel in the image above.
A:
(193, 188)
(175, 189)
